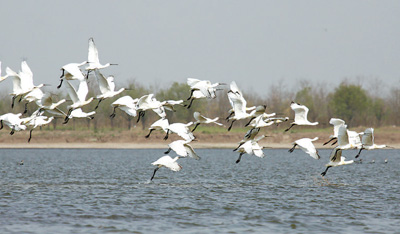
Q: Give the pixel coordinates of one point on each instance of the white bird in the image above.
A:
(35, 95)
(22, 82)
(149, 102)
(300, 115)
(196, 94)
(71, 71)
(182, 148)
(354, 138)
(13, 121)
(181, 129)
(336, 159)
(260, 122)
(93, 58)
(168, 162)
(235, 89)
(48, 103)
(307, 146)
(239, 106)
(107, 87)
(204, 86)
(169, 104)
(202, 119)
(368, 141)
(336, 124)
(37, 121)
(126, 104)
(250, 135)
(251, 147)
(78, 97)
(161, 124)
(78, 113)
(344, 140)
(2, 77)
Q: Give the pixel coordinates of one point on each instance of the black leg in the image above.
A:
(166, 135)
(113, 113)
(30, 135)
(329, 141)
(140, 115)
(249, 121)
(62, 74)
(1, 124)
(195, 127)
(154, 173)
(324, 173)
(101, 99)
(334, 142)
(292, 149)
(238, 146)
(334, 156)
(191, 94)
(240, 157)
(61, 81)
(26, 108)
(12, 131)
(190, 104)
(167, 152)
(358, 155)
(289, 127)
(12, 101)
(148, 135)
(230, 127)
(230, 115)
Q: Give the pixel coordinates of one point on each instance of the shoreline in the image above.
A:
(135, 139)
(119, 145)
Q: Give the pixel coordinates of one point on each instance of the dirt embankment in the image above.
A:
(135, 139)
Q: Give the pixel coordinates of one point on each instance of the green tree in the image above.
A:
(350, 102)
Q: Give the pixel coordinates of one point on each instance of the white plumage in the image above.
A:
(182, 148)
(300, 115)
(307, 146)
(336, 159)
(168, 162)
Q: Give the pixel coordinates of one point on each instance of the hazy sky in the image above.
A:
(255, 43)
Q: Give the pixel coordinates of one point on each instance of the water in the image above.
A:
(108, 190)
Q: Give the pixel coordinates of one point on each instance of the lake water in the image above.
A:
(108, 190)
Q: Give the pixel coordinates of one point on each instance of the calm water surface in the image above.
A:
(108, 190)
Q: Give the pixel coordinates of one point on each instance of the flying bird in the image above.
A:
(71, 71)
(300, 115)
(181, 129)
(107, 87)
(126, 104)
(78, 97)
(168, 162)
(368, 141)
(250, 147)
(93, 59)
(336, 159)
(182, 148)
(336, 124)
(161, 124)
(2, 77)
(307, 146)
(201, 119)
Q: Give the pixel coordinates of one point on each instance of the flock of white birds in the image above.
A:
(25, 90)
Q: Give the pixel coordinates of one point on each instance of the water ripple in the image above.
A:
(99, 191)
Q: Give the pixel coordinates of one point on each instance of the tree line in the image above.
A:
(348, 101)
